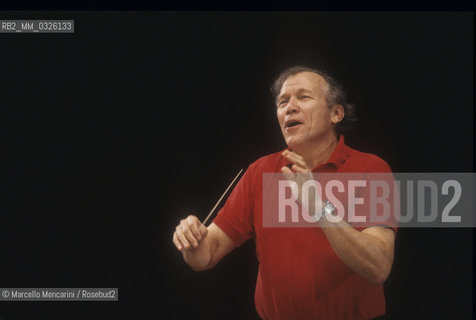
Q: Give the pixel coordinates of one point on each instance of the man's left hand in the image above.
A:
(300, 174)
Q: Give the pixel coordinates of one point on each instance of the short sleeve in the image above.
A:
(236, 216)
(380, 197)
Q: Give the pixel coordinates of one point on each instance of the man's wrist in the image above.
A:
(327, 208)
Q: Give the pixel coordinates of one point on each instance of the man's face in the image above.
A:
(303, 113)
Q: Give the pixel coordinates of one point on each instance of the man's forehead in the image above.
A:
(304, 80)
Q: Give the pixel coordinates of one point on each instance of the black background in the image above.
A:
(114, 133)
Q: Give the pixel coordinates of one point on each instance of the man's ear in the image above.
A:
(337, 113)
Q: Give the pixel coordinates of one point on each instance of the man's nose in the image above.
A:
(292, 106)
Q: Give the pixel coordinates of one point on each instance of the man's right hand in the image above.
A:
(201, 247)
(189, 233)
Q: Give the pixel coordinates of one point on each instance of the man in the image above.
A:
(332, 272)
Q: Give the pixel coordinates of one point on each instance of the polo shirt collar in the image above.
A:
(338, 156)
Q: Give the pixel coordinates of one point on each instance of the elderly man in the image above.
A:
(332, 272)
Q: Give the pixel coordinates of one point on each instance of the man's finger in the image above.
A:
(194, 225)
(297, 168)
(182, 239)
(204, 231)
(176, 241)
(189, 235)
(288, 173)
(294, 158)
(294, 154)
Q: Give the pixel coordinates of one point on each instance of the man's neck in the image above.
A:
(318, 152)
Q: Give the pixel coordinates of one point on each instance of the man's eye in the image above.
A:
(282, 103)
(305, 97)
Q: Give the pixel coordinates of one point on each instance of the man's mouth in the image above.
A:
(292, 124)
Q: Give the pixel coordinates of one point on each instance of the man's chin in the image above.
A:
(293, 143)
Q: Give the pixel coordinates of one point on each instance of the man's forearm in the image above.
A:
(364, 252)
(199, 259)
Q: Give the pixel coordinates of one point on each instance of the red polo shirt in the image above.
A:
(300, 275)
